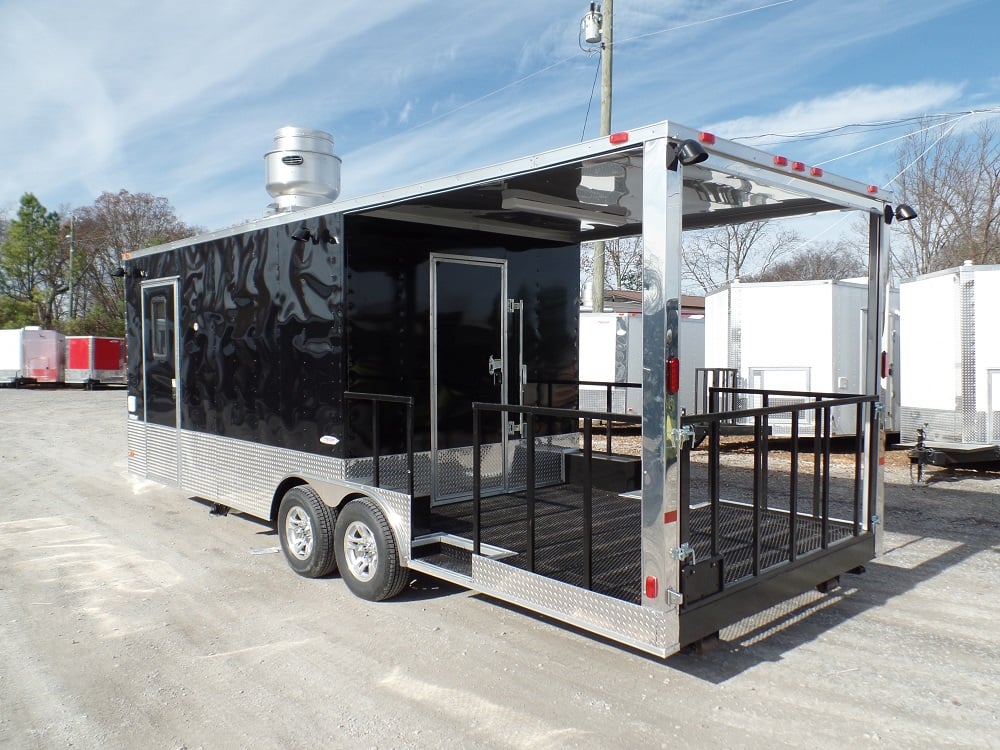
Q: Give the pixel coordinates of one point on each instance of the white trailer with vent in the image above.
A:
(611, 352)
(801, 336)
(951, 357)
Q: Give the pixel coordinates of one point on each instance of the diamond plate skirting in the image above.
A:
(235, 473)
(641, 627)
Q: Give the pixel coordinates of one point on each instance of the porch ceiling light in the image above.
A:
(545, 205)
(688, 152)
(903, 212)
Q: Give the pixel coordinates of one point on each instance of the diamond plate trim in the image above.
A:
(647, 629)
(161, 454)
(244, 475)
(136, 443)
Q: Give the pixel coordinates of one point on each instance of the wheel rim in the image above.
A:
(361, 551)
(299, 533)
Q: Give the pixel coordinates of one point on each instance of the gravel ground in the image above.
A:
(131, 617)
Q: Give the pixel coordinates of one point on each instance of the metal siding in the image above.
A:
(645, 628)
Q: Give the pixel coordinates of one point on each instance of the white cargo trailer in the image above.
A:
(951, 358)
(799, 337)
(32, 355)
(611, 352)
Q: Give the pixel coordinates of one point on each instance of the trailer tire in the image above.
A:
(367, 554)
(305, 527)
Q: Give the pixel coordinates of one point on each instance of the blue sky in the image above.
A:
(181, 99)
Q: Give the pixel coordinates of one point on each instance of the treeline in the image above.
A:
(56, 269)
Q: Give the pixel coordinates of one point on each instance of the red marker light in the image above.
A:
(781, 161)
(670, 516)
(873, 189)
(816, 172)
(798, 166)
(708, 138)
(673, 375)
(618, 137)
(652, 587)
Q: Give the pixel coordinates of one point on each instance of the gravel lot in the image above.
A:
(131, 617)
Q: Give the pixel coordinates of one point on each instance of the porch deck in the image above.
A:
(616, 570)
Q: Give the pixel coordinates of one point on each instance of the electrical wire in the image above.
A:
(590, 103)
(565, 60)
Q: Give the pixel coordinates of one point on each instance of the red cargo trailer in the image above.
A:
(94, 360)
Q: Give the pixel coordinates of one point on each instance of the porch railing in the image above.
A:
(376, 400)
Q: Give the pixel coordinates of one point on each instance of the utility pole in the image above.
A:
(72, 243)
(604, 15)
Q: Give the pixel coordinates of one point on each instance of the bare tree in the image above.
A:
(837, 260)
(954, 183)
(714, 257)
(115, 224)
(623, 262)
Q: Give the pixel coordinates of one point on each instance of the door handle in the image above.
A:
(496, 369)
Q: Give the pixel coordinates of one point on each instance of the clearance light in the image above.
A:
(781, 161)
(816, 172)
(708, 138)
(618, 137)
(652, 587)
(673, 375)
(873, 189)
(798, 166)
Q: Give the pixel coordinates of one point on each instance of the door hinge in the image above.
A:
(682, 434)
(513, 305)
(514, 429)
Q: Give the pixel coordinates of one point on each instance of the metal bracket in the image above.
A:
(513, 429)
(674, 598)
(879, 407)
(682, 434)
(876, 519)
(513, 305)
(683, 552)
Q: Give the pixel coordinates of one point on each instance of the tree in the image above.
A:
(622, 263)
(115, 224)
(32, 268)
(714, 257)
(954, 183)
(838, 260)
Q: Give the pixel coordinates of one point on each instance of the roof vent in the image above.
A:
(302, 171)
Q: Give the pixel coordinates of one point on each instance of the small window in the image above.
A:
(160, 338)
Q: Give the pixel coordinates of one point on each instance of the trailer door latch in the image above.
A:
(496, 369)
(682, 434)
(683, 552)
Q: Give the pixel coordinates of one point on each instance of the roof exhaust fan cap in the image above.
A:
(301, 171)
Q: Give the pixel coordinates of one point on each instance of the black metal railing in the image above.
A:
(820, 407)
(611, 415)
(376, 400)
(529, 414)
(708, 378)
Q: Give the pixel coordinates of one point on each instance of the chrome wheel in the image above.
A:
(360, 551)
(299, 533)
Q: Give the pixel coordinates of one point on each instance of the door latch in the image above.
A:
(496, 369)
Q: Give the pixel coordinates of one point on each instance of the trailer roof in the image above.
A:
(593, 190)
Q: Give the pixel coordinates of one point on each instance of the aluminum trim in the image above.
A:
(650, 630)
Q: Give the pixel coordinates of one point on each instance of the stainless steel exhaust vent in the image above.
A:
(302, 171)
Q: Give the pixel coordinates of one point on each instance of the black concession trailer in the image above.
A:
(392, 381)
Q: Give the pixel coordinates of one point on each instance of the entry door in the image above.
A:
(161, 379)
(468, 364)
